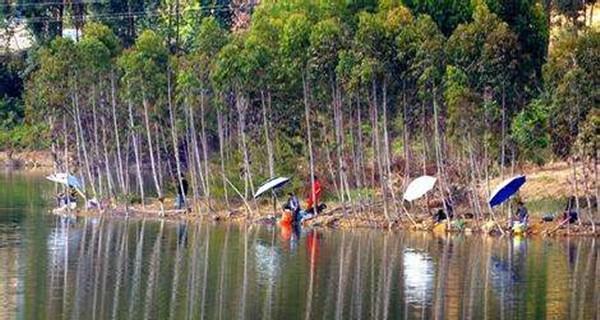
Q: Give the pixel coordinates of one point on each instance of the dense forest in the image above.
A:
(366, 94)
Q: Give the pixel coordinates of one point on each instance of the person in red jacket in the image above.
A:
(314, 196)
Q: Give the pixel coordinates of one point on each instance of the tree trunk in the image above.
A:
(174, 138)
(204, 148)
(83, 144)
(242, 106)
(387, 150)
(199, 165)
(361, 145)
(306, 92)
(96, 158)
(136, 151)
(405, 136)
(222, 154)
(377, 149)
(439, 156)
(339, 144)
(145, 103)
(109, 182)
(121, 174)
(266, 128)
(160, 138)
(355, 155)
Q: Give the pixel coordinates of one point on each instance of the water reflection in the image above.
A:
(418, 277)
(118, 269)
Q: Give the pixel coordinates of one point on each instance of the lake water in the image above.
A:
(91, 268)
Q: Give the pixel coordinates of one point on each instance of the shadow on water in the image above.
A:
(95, 268)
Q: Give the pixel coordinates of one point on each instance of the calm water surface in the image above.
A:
(84, 268)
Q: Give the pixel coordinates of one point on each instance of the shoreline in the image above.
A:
(338, 221)
(548, 182)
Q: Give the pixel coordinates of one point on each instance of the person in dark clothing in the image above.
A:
(182, 190)
(441, 215)
(522, 213)
(570, 212)
(293, 204)
(70, 197)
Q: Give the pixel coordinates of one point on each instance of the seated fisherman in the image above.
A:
(293, 204)
(570, 212)
(441, 215)
(522, 215)
(63, 199)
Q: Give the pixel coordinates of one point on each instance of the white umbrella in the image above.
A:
(67, 180)
(271, 184)
(418, 187)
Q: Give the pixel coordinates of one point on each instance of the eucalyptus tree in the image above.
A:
(500, 65)
(349, 82)
(48, 92)
(261, 64)
(230, 77)
(428, 68)
(294, 41)
(374, 42)
(326, 39)
(110, 41)
(90, 85)
(484, 51)
(194, 91)
(145, 70)
(463, 115)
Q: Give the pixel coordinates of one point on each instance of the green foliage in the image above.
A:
(588, 140)
(462, 103)
(527, 19)
(295, 38)
(429, 57)
(572, 80)
(11, 88)
(25, 136)
(326, 40)
(104, 34)
(530, 131)
(471, 59)
(145, 66)
(47, 92)
(447, 14)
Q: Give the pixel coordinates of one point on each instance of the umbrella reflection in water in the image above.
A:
(419, 275)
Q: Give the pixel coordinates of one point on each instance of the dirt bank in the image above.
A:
(26, 160)
(368, 218)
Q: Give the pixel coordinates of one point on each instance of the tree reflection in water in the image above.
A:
(116, 269)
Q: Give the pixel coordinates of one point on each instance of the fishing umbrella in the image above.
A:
(419, 187)
(67, 180)
(506, 189)
(272, 185)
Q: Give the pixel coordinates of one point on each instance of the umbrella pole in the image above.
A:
(494, 218)
(274, 202)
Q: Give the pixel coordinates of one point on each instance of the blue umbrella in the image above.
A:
(67, 180)
(505, 190)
